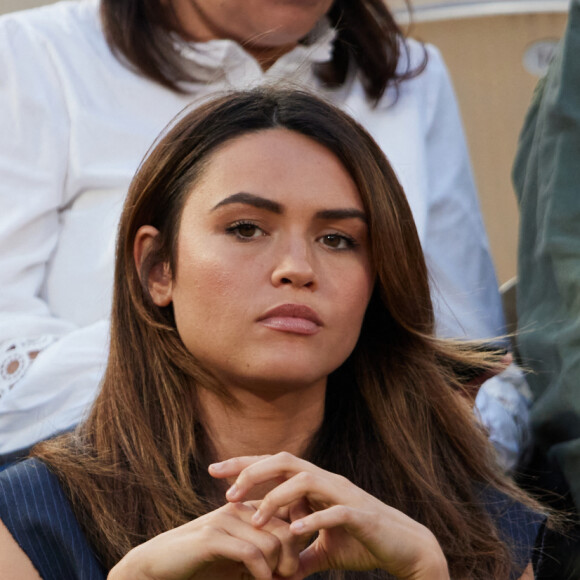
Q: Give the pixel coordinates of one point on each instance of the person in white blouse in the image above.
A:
(85, 88)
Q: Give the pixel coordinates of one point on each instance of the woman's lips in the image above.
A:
(293, 318)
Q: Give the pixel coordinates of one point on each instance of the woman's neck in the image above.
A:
(260, 425)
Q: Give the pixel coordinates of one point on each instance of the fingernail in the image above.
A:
(217, 466)
(232, 492)
(258, 518)
(297, 526)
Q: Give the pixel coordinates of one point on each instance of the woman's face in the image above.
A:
(273, 274)
(261, 23)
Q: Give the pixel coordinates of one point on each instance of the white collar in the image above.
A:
(225, 60)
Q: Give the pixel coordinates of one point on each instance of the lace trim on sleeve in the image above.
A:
(16, 356)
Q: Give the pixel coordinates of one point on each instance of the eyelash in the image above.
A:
(350, 242)
(234, 230)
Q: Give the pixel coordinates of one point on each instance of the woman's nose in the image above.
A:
(294, 267)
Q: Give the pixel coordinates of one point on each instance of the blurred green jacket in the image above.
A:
(547, 181)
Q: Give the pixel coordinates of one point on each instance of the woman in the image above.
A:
(271, 320)
(87, 86)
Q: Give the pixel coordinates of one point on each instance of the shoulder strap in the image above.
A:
(38, 515)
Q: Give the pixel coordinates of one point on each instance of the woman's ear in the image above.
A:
(159, 277)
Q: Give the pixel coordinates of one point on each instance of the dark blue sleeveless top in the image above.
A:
(38, 515)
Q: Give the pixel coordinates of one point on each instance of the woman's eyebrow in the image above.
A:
(252, 199)
(341, 214)
(276, 207)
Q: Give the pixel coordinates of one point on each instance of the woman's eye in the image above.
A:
(245, 230)
(338, 241)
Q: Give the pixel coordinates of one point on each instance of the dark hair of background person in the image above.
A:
(137, 31)
(395, 422)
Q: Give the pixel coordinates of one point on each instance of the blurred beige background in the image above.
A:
(11, 5)
(496, 51)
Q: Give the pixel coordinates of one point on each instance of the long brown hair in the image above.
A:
(395, 422)
(367, 37)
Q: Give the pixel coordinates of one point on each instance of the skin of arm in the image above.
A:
(528, 574)
(14, 563)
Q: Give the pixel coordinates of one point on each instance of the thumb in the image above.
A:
(310, 561)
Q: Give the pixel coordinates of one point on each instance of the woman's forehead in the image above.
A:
(278, 164)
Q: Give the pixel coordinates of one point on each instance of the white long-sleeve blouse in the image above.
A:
(75, 123)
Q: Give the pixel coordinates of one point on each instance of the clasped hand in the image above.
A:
(273, 538)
